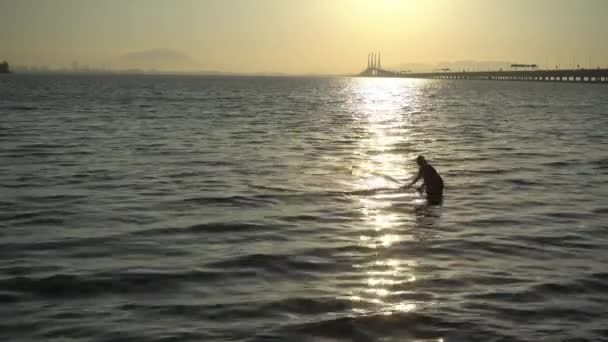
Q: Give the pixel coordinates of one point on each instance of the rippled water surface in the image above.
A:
(175, 208)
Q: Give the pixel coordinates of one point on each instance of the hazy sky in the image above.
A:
(301, 36)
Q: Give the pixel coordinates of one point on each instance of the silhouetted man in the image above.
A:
(432, 182)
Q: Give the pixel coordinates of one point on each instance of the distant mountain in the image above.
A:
(470, 65)
(156, 59)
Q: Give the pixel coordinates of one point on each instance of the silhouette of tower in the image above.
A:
(379, 65)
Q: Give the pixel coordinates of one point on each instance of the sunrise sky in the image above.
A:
(303, 36)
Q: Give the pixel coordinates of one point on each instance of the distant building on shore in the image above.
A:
(4, 68)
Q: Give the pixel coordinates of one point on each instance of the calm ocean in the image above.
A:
(183, 208)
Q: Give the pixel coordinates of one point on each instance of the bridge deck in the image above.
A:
(566, 75)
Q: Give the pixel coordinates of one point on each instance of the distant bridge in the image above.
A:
(374, 69)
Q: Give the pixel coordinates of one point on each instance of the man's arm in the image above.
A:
(421, 188)
(415, 179)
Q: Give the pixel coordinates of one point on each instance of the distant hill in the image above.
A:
(454, 66)
(156, 59)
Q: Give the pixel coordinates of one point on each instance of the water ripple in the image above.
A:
(157, 208)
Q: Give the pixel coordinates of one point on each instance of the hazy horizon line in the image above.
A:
(165, 61)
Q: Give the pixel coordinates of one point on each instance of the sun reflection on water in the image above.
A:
(384, 125)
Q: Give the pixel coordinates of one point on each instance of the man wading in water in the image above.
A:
(432, 182)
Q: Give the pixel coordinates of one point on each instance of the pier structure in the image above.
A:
(533, 74)
(559, 75)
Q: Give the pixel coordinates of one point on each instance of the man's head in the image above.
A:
(420, 160)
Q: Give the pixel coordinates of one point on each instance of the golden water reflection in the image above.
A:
(380, 111)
